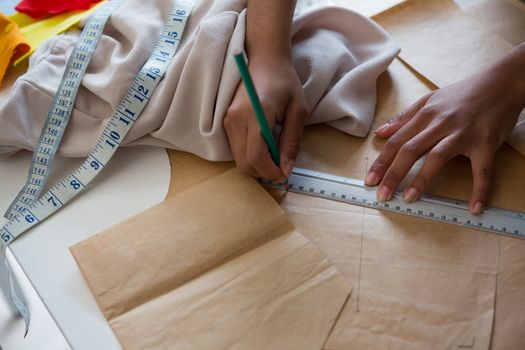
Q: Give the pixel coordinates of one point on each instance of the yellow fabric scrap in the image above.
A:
(37, 31)
(12, 44)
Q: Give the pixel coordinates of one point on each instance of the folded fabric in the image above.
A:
(338, 55)
(12, 44)
(39, 9)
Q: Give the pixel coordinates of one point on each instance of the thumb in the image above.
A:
(291, 134)
(400, 119)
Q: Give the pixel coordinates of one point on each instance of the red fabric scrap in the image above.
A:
(43, 8)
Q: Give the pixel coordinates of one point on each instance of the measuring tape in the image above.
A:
(29, 209)
(352, 191)
(138, 95)
(60, 111)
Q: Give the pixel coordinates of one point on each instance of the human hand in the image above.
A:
(470, 118)
(283, 102)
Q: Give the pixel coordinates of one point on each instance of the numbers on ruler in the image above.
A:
(152, 71)
(52, 131)
(114, 136)
(36, 182)
(31, 191)
(125, 121)
(129, 113)
(75, 184)
(143, 90)
(44, 149)
(6, 236)
(29, 218)
(41, 160)
(63, 103)
(39, 171)
(74, 75)
(52, 201)
(76, 65)
(70, 83)
(115, 132)
(95, 165)
(80, 56)
(139, 98)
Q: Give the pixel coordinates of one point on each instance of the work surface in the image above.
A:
(416, 284)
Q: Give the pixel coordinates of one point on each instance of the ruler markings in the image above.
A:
(348, 190)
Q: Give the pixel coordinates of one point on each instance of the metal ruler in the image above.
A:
(29, 208)
(352, 191)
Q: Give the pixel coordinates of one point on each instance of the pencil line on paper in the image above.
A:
(361, 248)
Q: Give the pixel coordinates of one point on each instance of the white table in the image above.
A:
(135, 180)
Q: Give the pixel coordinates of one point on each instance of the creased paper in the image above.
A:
(416, 284)
(440, 41)
(217, 266)
(505, 18)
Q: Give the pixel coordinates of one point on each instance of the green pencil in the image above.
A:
(259, 114)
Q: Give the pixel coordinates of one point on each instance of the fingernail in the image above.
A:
(384, 194)
(382, 128)
(371, 179)
(289, 168)
(478, 208)
(410, 195)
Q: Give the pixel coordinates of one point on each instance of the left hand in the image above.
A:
(471, 118)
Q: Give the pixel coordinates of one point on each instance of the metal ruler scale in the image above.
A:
(352, 191)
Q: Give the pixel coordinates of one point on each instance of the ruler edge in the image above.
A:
(349, 181)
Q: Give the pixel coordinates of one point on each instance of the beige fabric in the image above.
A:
(338, 55)
(230, 274)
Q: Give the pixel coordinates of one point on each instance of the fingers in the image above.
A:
(392, 147)
(237, 134)
(291, 135)
(482, 165)
(247, 144)
(440, 154)
(400, 119)
(259, 158)
(405, 158)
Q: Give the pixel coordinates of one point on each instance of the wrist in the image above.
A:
(510, 73)
(268, 52)
(269, 60)
(268, 31)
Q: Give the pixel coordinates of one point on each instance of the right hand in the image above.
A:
(282, 98)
